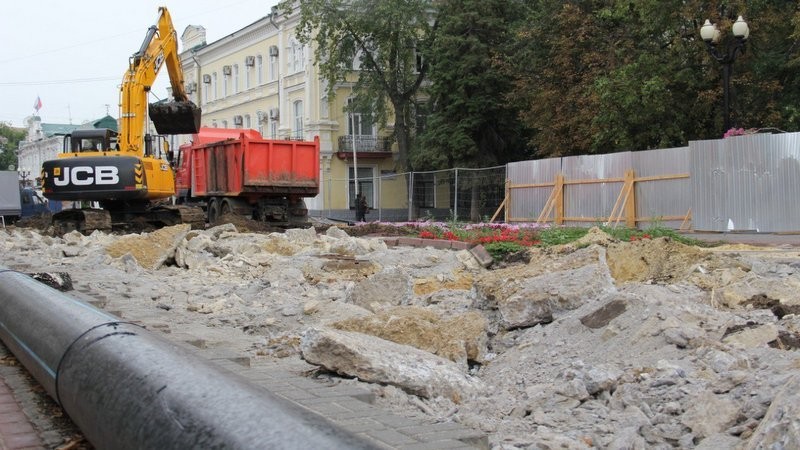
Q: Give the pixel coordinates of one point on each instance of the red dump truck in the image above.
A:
(237, 171)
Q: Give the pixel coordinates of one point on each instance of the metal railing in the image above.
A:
(365, 144)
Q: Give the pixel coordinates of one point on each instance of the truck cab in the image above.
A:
(32, 203)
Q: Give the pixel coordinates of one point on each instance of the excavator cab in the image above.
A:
(91, 140)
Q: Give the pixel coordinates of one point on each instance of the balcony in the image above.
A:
(365, 147)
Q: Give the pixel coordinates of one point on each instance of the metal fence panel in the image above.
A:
(530, 201)
(743, 183)
(593, 202)
(746, 183)
(445, 195)
(658, 199)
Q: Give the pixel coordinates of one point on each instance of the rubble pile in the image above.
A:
(595, 344)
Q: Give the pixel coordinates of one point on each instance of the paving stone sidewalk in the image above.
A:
(26, 419)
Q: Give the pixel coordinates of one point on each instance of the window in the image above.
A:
(260, 69)
(261, 128)
(357, 60)
(247, 121)
(206, 90)
(273, 65)
(214, 85)
(297, 108)
(235, 78)
(361, 129)
(360, 123)
(365, 185)
(273, 129)
(224, 124)
(296, 56)
(225, 79)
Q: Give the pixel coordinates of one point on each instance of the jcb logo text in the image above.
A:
(86, 175)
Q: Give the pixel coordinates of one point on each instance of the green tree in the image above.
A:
(9, 142)
(470, 123)
(599, 76)
(388, 37)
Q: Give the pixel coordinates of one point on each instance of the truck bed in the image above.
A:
(250, 166)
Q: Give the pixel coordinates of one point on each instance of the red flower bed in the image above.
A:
(484, 235)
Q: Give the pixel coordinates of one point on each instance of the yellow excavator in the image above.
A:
(127, 173)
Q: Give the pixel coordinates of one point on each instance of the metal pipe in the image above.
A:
(127, 388)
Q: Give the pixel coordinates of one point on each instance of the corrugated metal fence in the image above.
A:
(742, 183)
(747, 183)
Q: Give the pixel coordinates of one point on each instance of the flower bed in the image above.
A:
(497, 238)
(500, 239)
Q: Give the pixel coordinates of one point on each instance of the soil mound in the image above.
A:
(660, 260)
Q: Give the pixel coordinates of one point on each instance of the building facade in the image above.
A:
(261, 77)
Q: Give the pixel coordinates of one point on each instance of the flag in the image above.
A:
(37, 105)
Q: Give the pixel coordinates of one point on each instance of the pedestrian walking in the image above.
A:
(361, 208)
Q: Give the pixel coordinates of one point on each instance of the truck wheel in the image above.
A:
(225, 207)
(213, 210)
(297, 213)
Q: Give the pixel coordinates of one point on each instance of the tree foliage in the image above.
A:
(470, 124)
(567, 76)
(386, 37)
(9, 142)
(606, 75)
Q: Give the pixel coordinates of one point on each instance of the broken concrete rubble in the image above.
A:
(598, 344)
(376, 360)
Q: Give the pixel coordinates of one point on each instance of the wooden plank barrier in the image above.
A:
(625, 205)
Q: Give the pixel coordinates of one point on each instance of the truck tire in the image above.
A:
(226, 207)
(213, 210)
(297, 213)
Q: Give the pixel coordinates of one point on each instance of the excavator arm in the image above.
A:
(180, 116)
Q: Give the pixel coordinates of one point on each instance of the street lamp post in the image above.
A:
(24, 173)
(711, 36)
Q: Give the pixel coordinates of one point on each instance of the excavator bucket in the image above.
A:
(175, 117)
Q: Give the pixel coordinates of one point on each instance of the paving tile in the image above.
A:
(9, 407)
(21, 441)
(20, 427)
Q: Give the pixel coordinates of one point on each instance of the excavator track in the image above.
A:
(86, 221)
(192, 215)
(82, 220)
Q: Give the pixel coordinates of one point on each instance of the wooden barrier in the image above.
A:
(625, 205)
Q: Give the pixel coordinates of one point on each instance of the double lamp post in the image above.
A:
(711, 35)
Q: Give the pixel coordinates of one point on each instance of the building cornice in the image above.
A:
(254, 34)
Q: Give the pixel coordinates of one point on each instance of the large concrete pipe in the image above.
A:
(127, 388)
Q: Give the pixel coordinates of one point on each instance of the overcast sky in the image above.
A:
(72, 55)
